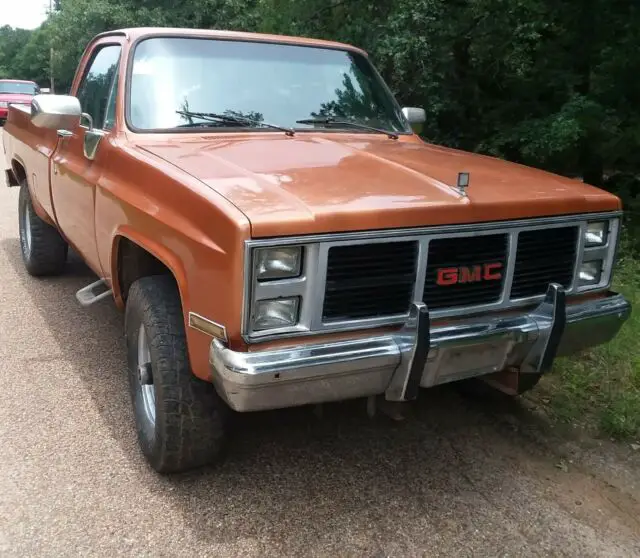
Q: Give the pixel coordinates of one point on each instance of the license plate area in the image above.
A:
(449, 364)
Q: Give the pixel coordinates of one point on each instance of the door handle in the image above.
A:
(64, 134)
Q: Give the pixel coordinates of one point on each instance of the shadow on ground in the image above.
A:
(343, 482)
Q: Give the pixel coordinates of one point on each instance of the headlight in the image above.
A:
(591, 273)
(596, 234)
(278, 263)
(275, 313)
(4, 104)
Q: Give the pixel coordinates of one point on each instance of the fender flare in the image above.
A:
(16, 162)
(158, 251)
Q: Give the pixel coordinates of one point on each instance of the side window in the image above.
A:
(95, 89)
(110, 118)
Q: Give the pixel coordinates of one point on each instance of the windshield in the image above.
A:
(17, 87)
(277, 84)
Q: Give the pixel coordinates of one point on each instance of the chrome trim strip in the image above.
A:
(595, 253)
(247, 291)
(421, 268)
(313, 298)
(438, 229)
(512, 250)
(276, 289)
(580, 251)
(321, 284)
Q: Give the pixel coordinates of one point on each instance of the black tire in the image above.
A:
(190, 425)
(44, 251)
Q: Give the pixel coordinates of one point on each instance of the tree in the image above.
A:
(12, 42)
(33, 60)
(550, 84)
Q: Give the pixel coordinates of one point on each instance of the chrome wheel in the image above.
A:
(145, 377)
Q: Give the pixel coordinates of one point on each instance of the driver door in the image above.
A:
(78, 161)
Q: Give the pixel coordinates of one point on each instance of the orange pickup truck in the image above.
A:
(278, 234)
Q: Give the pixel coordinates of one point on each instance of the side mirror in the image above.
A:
(56, 112)
(416, 117)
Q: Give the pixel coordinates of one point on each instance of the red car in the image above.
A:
(17, 92)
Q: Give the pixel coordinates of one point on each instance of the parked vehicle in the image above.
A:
(278, 235)
(15, 91)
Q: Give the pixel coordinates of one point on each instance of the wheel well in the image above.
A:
(135, 262)
(19, 172)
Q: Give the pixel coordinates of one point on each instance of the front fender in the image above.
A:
(183, 223)
(157, 250)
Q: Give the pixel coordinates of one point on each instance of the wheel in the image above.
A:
(44, 251)
(181, 421)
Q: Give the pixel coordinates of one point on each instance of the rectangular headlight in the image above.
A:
(590, 273)
(275, 313)
(278, 263)
(596, 234)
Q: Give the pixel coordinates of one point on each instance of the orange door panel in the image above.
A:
(79, 161)
(73, 183)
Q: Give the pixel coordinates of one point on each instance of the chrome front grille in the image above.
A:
(358, 280)
(377, 280)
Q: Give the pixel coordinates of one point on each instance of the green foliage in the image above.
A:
(33, 61)
(12, 42)
(77, 22)
(550, 84)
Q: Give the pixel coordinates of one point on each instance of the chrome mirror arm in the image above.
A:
(86, 116)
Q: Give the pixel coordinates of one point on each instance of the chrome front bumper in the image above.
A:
(398, 364)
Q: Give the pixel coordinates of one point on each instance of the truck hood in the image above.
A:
(317, 183)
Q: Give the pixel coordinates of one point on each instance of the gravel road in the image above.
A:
(457, 477)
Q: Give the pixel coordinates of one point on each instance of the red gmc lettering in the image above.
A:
(452, 275)
(470, 274)
(491, 272)
(447, 276)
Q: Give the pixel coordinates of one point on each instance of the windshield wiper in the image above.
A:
(230, 119)
(206, 124)
(330, 121)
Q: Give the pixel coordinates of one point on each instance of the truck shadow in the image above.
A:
(290, 472)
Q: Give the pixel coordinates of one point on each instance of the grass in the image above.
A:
(601, 389)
